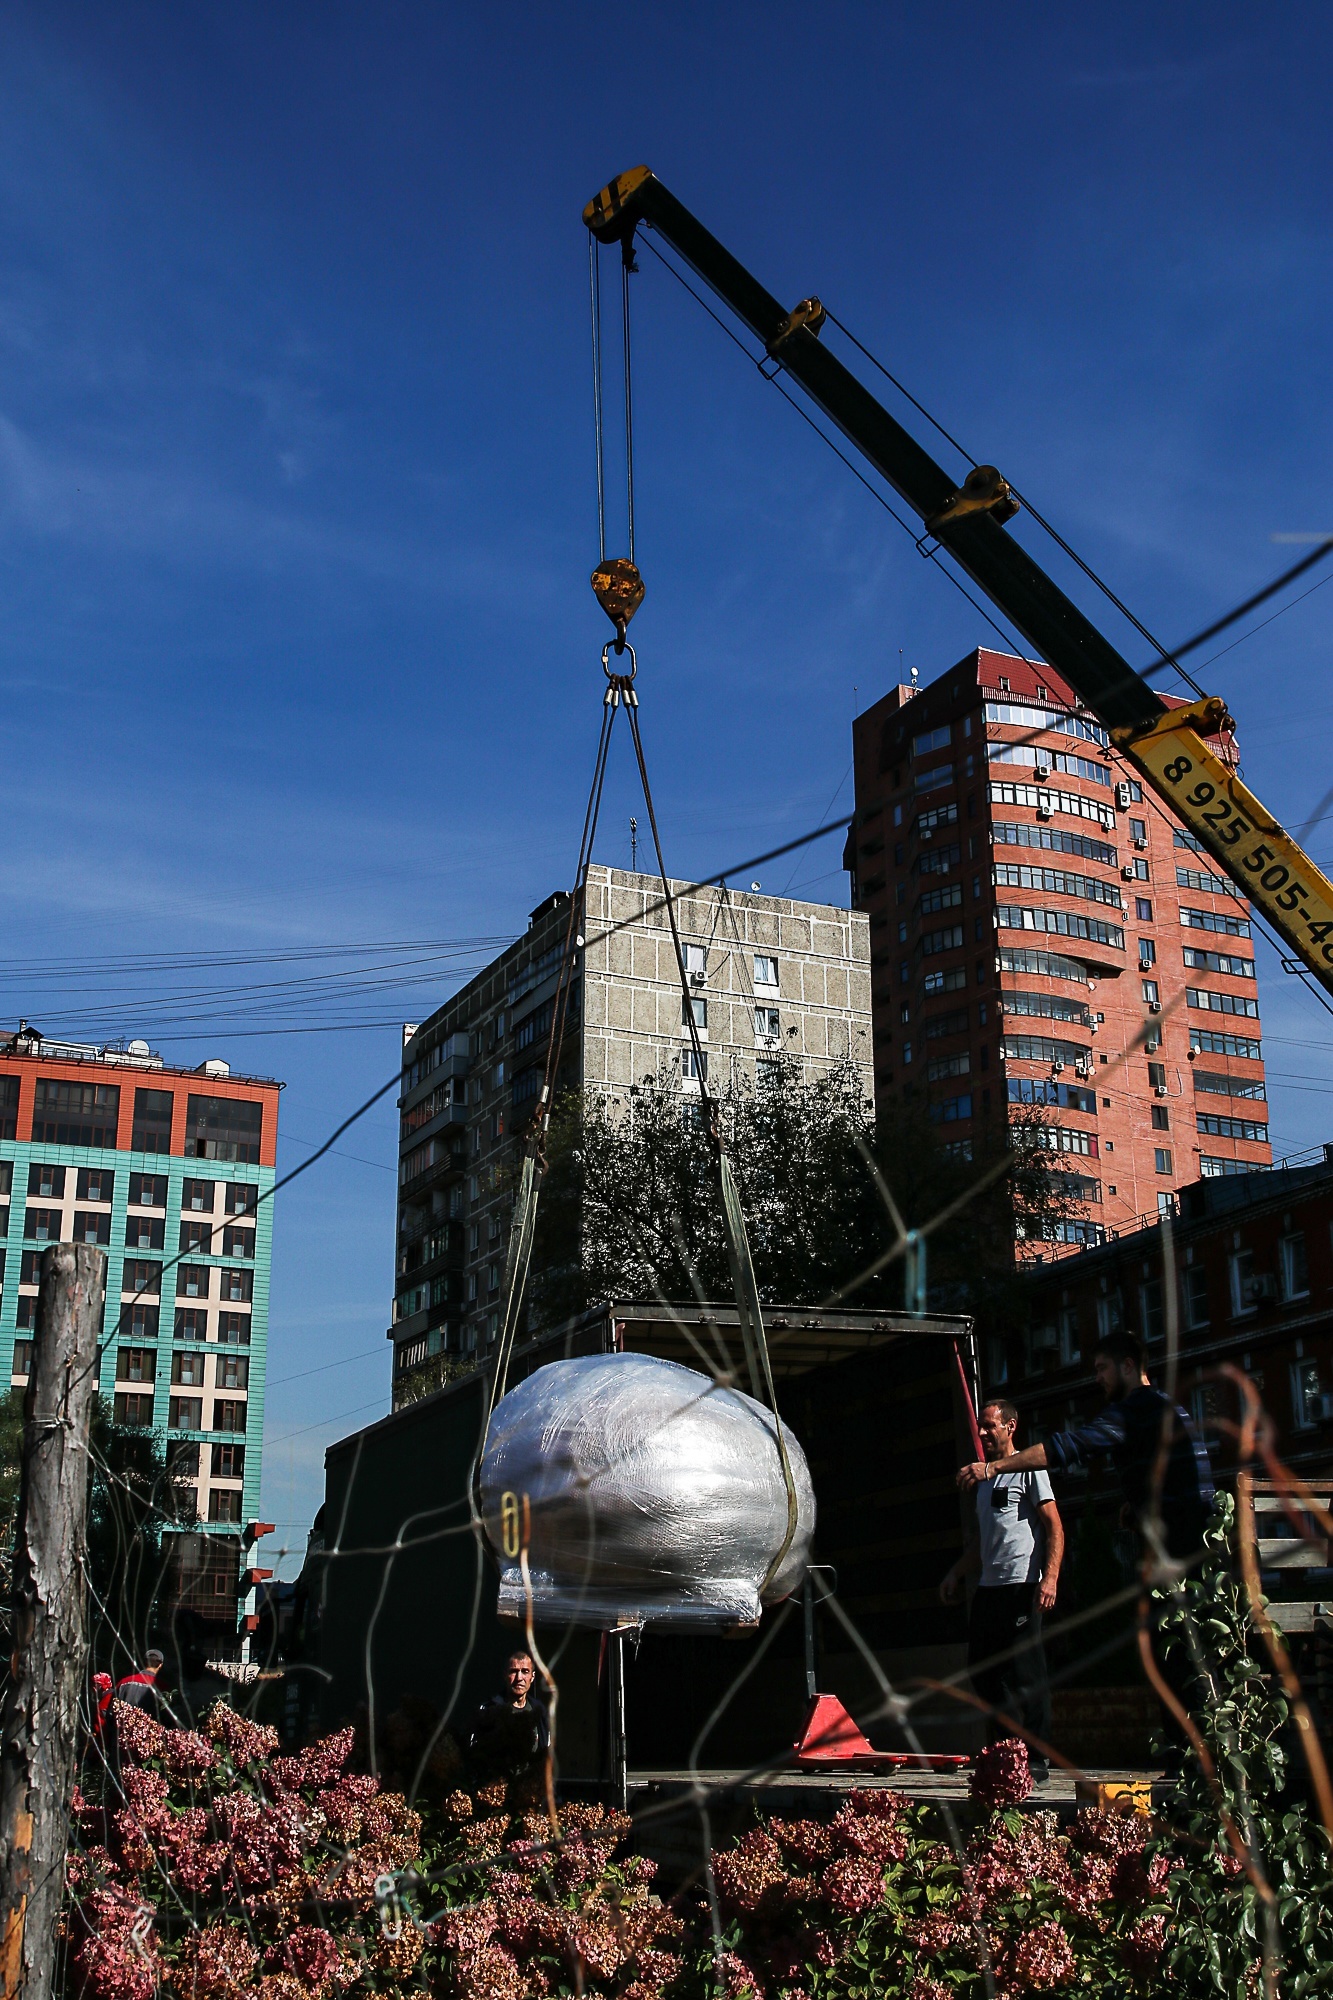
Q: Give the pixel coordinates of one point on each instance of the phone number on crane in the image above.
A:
(1302, 909)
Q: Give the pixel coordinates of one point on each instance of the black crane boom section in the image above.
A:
(1054, 626)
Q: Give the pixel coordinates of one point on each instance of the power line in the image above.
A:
(340, 1418)
(1260, 597)
(191, 960)
(367, 1354)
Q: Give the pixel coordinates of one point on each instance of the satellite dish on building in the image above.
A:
(643, 1494)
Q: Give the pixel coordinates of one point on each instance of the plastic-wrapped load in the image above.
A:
(646, 1494)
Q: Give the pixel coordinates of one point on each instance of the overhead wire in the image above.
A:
(1260, 597)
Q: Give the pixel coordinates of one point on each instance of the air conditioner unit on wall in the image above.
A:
(1154, 1006)
(1261, 1287)
(1122, 797)
(1140, 842)
(1160, 1089)
(1043, 812)
(1042, 771)
(1128, 871)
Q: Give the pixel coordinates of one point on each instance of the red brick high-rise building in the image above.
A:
(1032, 911)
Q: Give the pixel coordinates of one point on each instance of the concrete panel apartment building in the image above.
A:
(165, 1169)
(767, 974)
(1031, 911)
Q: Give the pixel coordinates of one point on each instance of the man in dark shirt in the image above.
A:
(1131, 1430)
(140, 1689)
(510, 1732)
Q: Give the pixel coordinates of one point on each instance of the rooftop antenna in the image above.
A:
(914, 671)
(633, 845)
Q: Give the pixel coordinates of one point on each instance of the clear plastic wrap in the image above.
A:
(646, 1494)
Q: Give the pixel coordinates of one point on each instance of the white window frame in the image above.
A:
(1188, 1303)
(765, 970)
(1240, 1268)
(1287, 1248)
(1308, 1398)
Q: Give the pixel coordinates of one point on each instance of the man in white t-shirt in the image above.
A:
(1017, 1545)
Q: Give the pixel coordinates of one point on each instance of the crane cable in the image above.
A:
(749, 1311)
(518, 1258)
(595, 289)
(621, 692)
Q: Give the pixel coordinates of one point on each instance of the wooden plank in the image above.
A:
(1289, 1552)
(1301, 1617)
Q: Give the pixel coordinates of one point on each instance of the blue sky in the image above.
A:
(296, 484)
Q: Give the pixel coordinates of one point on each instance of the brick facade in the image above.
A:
(1254, 1279)
(1043, 934)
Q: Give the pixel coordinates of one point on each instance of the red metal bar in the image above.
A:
(968, 1405)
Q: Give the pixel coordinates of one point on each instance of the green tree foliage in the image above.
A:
(1224, 1925)
(136, 1497)
(630, 1206)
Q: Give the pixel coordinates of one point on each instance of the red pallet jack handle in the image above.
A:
(830, 1739)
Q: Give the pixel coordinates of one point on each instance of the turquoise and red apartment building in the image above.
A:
(168, 1170)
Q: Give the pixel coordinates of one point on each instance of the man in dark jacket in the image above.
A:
(1131, 1429)
(510, 1732)
(140, 1689)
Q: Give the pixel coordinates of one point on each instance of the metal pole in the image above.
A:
(39, 1721)
(914, 1273)
(619, 1750)
(808, 1613)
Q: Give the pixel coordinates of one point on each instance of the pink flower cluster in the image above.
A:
(1042, 1960)
(115, 1954)
(216, 1963)
(852, 1885)
(1020, 1901)
(1142, 1950)
(310, 1955)
(747, 1875)
(1000, 1776)
(317, 1766)
(557, 1910)
(214, 1853)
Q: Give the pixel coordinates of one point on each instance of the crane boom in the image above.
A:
(1166, 743)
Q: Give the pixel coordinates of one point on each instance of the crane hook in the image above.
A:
(618, 588)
